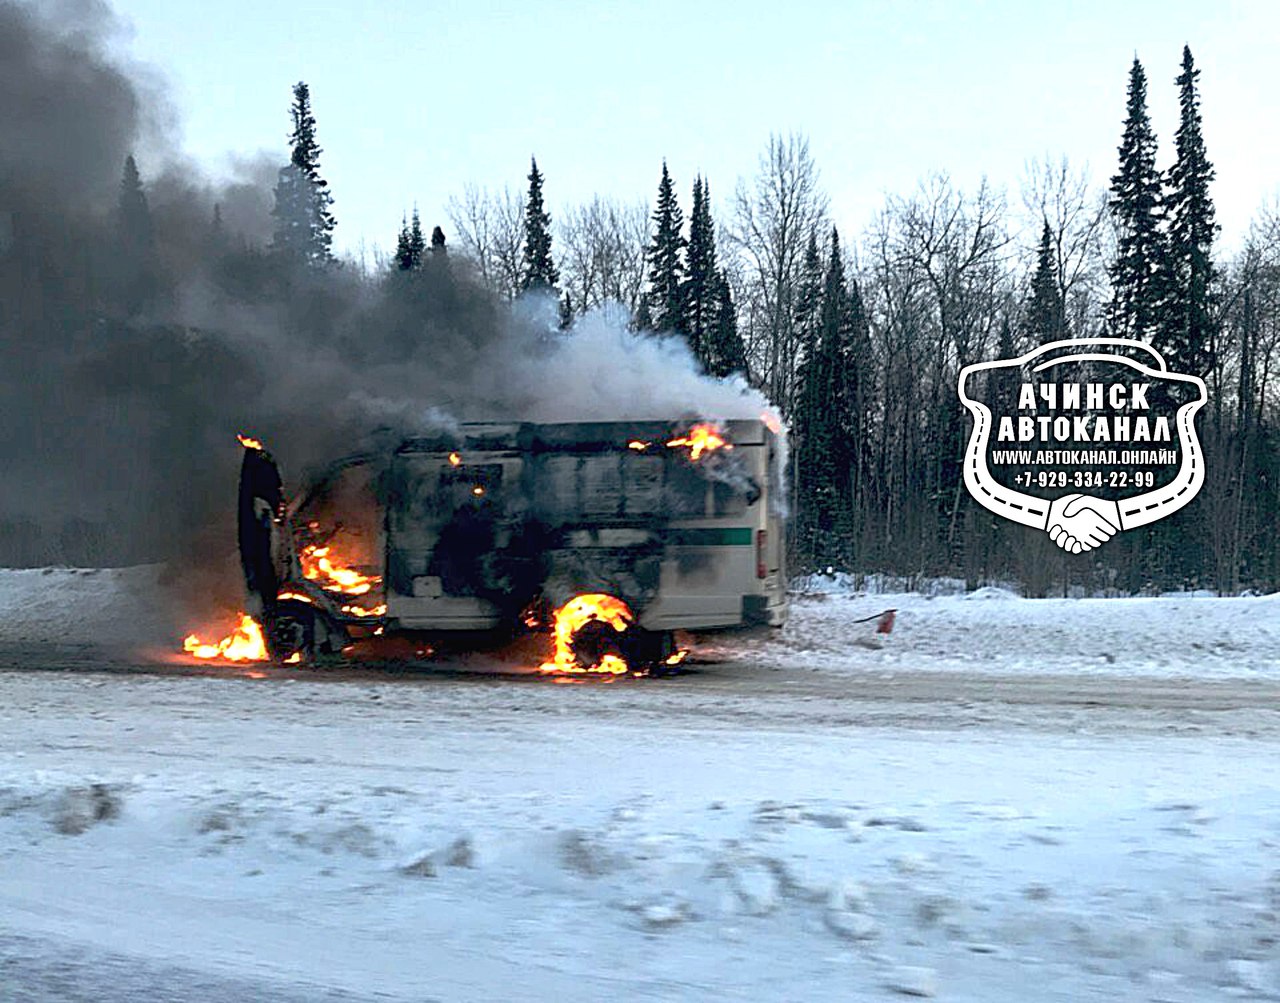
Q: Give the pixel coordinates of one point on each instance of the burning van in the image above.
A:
(611, 536)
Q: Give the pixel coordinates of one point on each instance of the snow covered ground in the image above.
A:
(807, 819)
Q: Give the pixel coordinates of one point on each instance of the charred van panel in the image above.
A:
(483, 523)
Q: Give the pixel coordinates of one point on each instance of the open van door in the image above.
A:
(260, 522)
(267, 557)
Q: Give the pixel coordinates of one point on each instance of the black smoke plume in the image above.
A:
(132, 350)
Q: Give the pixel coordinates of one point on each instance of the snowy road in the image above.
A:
(796, 821)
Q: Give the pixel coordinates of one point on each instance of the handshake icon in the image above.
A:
(1077, 523)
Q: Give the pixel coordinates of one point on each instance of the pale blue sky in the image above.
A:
(414, 99)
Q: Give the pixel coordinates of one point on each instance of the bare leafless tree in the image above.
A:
(602, 245)
(772, 217)
(1056, 193)
(490, 228)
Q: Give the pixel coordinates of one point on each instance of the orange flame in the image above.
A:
(576, 614)
(455, 459)
(249, 443)
(244, 644)
(353, 610)
(705, 438)
(320, 565)
(772, 422)
(638, 445)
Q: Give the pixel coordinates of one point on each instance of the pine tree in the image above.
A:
(417, 245)
(404, 248)
(826, 420)
(643, 320)
(806, 314)
(1046, 317)
(666, 269)
(304, 223)
(700, 294)
(136, 233)
(856, 391)
(1188, 336)
(723, 351)
(136, 261)
(539, 270)
(1139, 266)
(566, 312)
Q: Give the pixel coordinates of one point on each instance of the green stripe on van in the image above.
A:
(738, 536)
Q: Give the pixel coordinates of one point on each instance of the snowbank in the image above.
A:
(992, 630)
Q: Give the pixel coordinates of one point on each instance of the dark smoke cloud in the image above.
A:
(120, 407)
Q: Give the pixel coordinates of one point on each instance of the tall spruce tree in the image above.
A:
(538, 269)
(304, 223)
(566, 312)
(643, 320)
(700, 295)
(826, 421)
(723, 351)
(1189, 339)
(806, 314)
(136, 260)
(417, 245)
(1046, 317)
(410, 245)
(1137, 273)
(666, 268)
(855, 389)
(404, 248)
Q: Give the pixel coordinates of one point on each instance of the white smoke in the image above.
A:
(600, 370)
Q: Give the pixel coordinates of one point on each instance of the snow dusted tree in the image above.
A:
(1189, 338)
(1139, 266)
(539, 270)
(303, 221)
(666, 266)
(643, 320)
(1045, 316)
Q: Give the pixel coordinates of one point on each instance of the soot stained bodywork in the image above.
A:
(489, 530)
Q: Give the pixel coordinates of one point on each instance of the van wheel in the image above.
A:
(291, 634)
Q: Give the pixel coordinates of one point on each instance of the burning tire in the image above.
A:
(597, 633)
